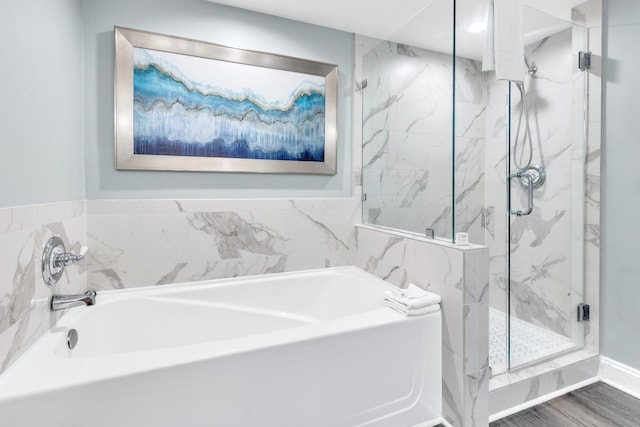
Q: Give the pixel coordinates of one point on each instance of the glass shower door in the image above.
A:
(522, 149)
(545, 198)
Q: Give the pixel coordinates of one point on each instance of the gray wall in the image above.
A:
(620, 333)
(224, 25)
(41, 115)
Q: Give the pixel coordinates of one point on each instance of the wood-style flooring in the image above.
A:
(597, 405)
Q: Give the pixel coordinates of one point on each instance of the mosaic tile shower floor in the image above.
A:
(528, 342)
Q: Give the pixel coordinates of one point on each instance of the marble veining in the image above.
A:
(233, 234)
(143, 243)
(535, 229)
(24, 298)
(15, 300)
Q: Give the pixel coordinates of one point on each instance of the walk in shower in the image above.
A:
(447, 148)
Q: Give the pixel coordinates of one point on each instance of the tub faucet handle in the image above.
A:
(68, 258)
(55, 258)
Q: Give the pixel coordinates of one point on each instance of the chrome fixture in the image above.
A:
(530, 176)
(55, 259)
(521, 175)
(72, 338)
(61, 302)
(430, 233)
(532, 68)
(583, 312)
(538, 176)
(527, 141)
(584, 60)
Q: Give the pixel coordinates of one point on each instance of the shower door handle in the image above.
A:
(521, 175)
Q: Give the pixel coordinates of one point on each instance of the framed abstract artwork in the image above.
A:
(188, 105)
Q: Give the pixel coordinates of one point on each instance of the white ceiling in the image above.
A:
(373, 18)
(421, 23)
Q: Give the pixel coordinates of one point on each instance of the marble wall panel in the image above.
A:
(143, 243)
(25, 314)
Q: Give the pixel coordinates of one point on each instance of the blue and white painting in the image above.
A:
(191, 106)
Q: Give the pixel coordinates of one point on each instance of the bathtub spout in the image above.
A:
(61, 302)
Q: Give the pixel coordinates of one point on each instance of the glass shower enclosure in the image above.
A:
(447, 147)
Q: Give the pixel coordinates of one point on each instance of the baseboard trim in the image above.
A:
(542, 399)
(620, 376)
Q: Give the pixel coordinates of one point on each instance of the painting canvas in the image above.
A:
(188, 105)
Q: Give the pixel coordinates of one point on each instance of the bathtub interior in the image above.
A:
(317, 296)
(182, 315)
(142, 324)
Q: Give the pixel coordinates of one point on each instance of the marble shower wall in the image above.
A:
(153, 242)
(407, 139)
(460, 276)
(542, 245)
(407, 167)
(24, 298)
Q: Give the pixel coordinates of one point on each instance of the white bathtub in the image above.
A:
(316, 348)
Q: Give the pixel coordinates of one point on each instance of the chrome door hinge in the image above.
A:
(583, 313)
(364, 197)
(584, 60)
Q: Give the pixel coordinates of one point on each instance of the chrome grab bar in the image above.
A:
(521, 175)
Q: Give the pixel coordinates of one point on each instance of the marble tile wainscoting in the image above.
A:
(460, 275)
(24, 298)
(153, 242)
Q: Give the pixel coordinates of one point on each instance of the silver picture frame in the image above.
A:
(126, 40)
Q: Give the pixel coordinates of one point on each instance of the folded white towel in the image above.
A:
(504, 44)
(417, 312)
(412, 301)
(412, 291)
(413, 298)
(413, 304)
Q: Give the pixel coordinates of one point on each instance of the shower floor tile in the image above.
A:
(528, 342)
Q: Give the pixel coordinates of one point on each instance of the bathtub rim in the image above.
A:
(230, 281)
